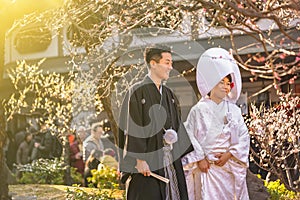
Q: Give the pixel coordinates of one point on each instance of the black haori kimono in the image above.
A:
(141, 131)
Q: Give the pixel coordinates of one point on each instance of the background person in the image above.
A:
(24, 150)
(93, 142)
(76, 159)
(42, 143)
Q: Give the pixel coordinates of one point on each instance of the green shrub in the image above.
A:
(107, 182)
(45, 171)
(78, 193)
(105, 178)
(76, 176)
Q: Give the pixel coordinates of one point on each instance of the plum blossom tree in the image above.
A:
(3, 168)
(277, 45)
(100, 33)
(105, 30)
(44, 95)
(275, 140)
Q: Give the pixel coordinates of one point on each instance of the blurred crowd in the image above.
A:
(89, 147)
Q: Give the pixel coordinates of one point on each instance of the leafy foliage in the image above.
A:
(105, 178)
(45, 171)
(107, 182)
(81, 194)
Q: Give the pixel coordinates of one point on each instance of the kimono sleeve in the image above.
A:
(192, 130)
(132, 140)
(241, 150)
(184, 145)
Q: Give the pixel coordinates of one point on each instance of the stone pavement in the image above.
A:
(15, 196)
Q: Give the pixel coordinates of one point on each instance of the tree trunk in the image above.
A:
(3, 168)
(66, 157)
(4, 192)
(108, 109)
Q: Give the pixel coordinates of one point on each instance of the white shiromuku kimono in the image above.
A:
(215, 128)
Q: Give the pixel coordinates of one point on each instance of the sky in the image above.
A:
(11, 10)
